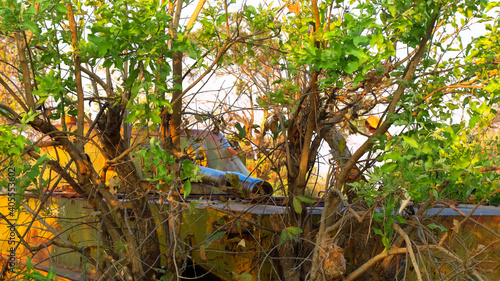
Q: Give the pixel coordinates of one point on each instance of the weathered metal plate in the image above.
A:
(214, 237)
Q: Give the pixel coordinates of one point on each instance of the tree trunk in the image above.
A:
(144, 230)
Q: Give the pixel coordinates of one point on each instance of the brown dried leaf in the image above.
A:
(203, 256)
(456, 226)
(294, 8)
(242, 243)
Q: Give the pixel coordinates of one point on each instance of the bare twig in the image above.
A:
(359, 271)
(409, 250)
(16, 97)
(457, 227)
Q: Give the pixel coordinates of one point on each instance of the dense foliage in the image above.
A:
(306, 75)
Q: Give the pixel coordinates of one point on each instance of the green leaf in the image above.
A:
(61, 8)
(29, 265)
(426, 149)
(187, 188)
(31, 26)
(152, 142)
(386, 241)
(233, 179)
(296, 205)
(240, 60)
(290, 232)
(306, 199)
(283, 236)
(51, 275)
(436, 226)
(156, 119)
(401, 219)
(193, 203)
(241, 131)
(243, 276)
(378, 217)
(188, 169)
(388, 167)
(214, 236)
(394, 155)
(410, 141)
(358, 53)
(251, 9)
(342, 145)
(104, 47)
(294, 230)
(238, 226)
(378, 231)
(359, 39)
(107, 63)
(131, 78)
(473, 121)
(221, 19)
(131, 117)
(94, 39)
(351, 67)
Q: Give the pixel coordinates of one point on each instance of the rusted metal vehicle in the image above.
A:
(230, 234)
(66, 215)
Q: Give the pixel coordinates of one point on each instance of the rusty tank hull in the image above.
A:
(231, 240)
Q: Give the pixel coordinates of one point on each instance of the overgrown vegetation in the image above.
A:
(313, 72)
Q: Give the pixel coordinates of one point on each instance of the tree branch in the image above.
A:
(78, 78)
(21, 49)
(409, 250)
